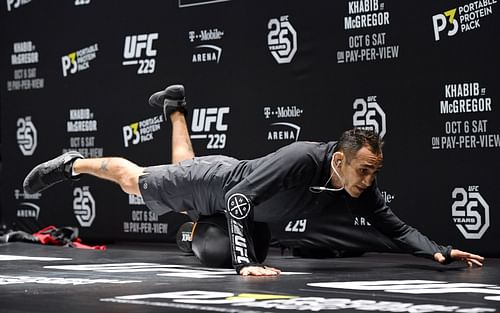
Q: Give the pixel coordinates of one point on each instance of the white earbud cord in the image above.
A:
(318, 189)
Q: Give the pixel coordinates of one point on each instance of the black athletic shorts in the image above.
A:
(191, 185)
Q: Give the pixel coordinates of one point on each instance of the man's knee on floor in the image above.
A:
(211, 244)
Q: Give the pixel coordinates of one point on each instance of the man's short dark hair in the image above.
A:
(351, 141)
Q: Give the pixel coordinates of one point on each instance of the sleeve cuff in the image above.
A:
(447, 255)
(240, 266)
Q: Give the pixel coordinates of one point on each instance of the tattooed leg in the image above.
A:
(118, 170)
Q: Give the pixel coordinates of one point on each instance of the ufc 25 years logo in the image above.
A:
(84, 206)
(470, 212)
(203, 124)
(139, 49)
(26, 135)
(282, 39)
(369, 115)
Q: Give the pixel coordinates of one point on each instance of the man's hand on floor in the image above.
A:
(259, 271)
(458, 255)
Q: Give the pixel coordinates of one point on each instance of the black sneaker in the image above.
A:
(51, 172)
(172, 99)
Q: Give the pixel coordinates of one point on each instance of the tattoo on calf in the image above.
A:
(104, 165)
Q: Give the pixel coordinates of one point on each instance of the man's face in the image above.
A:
(360, 173)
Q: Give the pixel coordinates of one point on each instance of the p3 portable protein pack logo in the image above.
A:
(470, 212)
(142, 131)
(463, 18)
(79, 60)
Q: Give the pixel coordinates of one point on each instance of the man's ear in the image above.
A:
(338, 158)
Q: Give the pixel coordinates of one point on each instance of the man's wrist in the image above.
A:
(239, 267)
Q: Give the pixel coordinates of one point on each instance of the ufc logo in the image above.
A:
(131, 133)
(239, 243)
(204, 118)
(136, 44)
(241, 249)
(84, 206)
(439, 23)
(69, 63)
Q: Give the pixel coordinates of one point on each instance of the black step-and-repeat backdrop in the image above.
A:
(76, 75)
